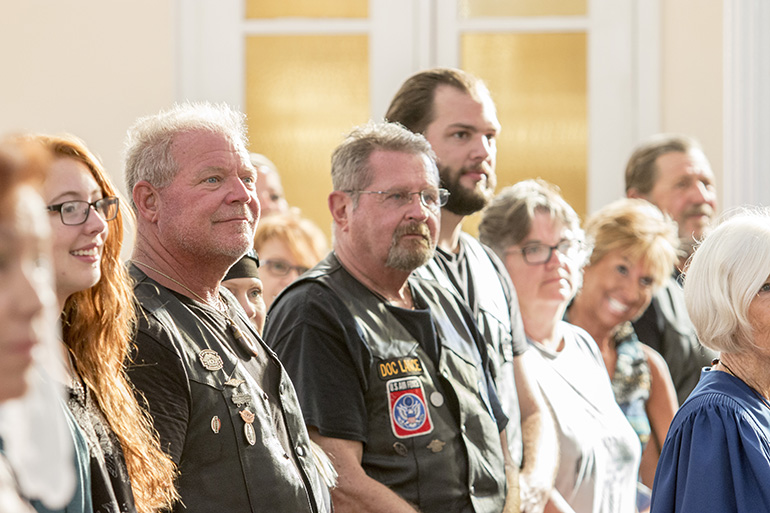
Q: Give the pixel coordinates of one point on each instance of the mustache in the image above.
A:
(699, 210)
(482, 167)
(413, 228)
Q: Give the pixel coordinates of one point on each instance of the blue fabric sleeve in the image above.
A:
(715, 458)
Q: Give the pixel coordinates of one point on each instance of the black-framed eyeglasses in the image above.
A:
(280, 267)
(536, 254)
(76, 212)
(433, 199)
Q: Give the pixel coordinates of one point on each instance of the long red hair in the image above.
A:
(97, 327)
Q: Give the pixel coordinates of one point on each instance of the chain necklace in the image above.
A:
(221, 308)
(759, 396)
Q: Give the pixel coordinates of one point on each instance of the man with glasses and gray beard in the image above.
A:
(390, 370)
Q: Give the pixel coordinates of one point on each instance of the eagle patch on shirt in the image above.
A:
(409, 414)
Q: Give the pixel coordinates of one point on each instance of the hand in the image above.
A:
(533, 495)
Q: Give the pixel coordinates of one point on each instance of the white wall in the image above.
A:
(87, 67)
(691, 74)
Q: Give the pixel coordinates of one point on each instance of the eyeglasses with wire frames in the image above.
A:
(279, 267)
(77, 211)
(536, 254)
(433, 199)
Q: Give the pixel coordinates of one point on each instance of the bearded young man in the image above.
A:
(456, 114)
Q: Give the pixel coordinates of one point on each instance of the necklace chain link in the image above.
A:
(759, 396)
(220, 304)
(222, 308)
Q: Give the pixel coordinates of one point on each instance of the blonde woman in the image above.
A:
(634, 250)
(287, 245)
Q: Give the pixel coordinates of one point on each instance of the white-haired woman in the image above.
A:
(716, 456)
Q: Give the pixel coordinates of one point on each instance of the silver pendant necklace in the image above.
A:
(221, 308)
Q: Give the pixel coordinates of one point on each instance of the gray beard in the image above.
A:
(408, 260)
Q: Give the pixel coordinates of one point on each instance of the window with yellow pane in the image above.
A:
(304, 91)
(538, 82)
(303, 94)
(478, 8)
(307, 8)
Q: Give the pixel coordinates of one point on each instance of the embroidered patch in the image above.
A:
(399, 367)
(409, 415)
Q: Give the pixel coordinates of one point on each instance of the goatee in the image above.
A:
(410, 258)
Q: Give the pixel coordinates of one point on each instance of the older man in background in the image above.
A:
(672, 172)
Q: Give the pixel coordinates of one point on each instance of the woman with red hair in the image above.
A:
(129, 471)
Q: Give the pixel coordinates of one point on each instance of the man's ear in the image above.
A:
(633, 192)
(340, 206)
(146, 201)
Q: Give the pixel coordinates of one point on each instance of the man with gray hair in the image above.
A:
(390, 370)
(672, 172)
(222, 403)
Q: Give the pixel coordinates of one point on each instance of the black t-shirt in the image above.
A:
(318, 342)
(458, 269)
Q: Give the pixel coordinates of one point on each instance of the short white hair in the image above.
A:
(724, 276)
(148, 153)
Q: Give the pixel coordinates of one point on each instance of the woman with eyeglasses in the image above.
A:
(287, 245)
(634, 250)
(538, 237)
(129, 472)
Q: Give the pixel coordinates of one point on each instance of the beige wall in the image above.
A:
(87, 67)
(691, 73)
(91, 67)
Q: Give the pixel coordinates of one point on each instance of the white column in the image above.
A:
(211, 51)
(746, 177)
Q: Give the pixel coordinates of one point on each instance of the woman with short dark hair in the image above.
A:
(538, 237)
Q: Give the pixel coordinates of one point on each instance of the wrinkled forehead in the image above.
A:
(676, 163)
(199, 146)
(409, 169)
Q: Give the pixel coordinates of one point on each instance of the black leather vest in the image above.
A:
(219, 469)
(493, 319)
(666, 327)
(416, 445)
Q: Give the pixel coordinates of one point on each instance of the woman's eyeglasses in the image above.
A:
(76, 212)
(535, 254)
(281, 267)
